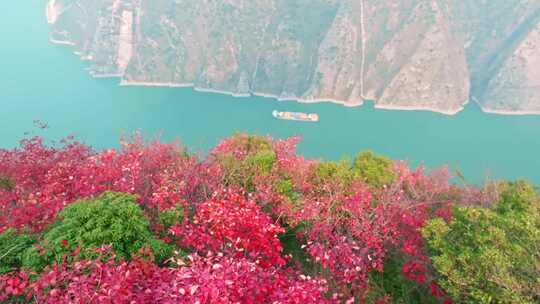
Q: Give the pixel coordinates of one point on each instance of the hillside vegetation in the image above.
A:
(254, 222)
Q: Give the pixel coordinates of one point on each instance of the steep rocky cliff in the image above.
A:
(402, 54)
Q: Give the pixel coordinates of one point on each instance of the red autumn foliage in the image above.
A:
(230, 222)
(209, 279)
(347, 230)
(46, 179)
(13, 284)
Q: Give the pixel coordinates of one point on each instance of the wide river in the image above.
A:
(46, 82)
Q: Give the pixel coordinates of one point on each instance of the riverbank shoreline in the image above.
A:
(299, 100)
(124, 82)
(504, 112)
(321, 100)
(514, 113)
(429, 109)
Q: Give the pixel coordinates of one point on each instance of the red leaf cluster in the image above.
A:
(347, 229)
(46, 179)
(209, 279)
(231, 223)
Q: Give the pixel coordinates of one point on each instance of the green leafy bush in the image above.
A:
(293, 247)
(171, 216)
(12, 247)
(241, 172)
(518, 197)
(111, 219)
(251, 143)
(374, 169)
(262, 161)
(392, 283)
(336, 172)
(6, 183)
(490, 255)
(286, 187)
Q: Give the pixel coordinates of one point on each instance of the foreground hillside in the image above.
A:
(406, 54)
(253, 222)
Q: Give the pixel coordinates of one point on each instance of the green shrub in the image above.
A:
(333, 171)
(374, 169)
(490, 255)
(392, 282)
(6, 183)
(251, 143)
(111, 219)
(518, 197)
(170, 217)
(293, 247)
(286, 187)
(12, 247)
(242, 172)
(262, 161)
(258, 159)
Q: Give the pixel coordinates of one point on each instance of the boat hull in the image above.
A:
(296, 116)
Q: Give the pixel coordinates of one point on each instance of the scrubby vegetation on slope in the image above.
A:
(254, 222)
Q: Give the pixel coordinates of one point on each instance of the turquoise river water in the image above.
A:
(46, 82)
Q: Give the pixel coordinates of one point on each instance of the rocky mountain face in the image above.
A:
(402, 54)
